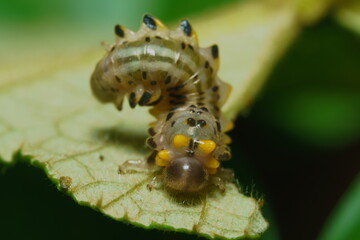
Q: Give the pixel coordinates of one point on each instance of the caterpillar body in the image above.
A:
(170, 72)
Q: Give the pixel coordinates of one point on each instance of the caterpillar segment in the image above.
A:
(167, 70)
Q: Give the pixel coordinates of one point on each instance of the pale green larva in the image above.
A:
(170, 72)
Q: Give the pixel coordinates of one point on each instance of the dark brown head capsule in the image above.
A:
(185, 174)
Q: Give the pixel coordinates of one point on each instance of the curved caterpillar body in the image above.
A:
(170, 72)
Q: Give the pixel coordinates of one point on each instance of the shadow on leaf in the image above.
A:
(121, 137)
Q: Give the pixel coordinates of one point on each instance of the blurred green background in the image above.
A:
(99, 13)
(299, 143)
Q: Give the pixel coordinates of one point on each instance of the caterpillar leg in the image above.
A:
(156, 182)
(223, 176)
(133, 166)
(139, 165)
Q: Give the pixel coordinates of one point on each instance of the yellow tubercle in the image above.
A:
(212, 163)
(152, 124)
(159, 24)
(162, 158)
(164, 154)
(206, 146)
(229, 127)
(155, 97)
(227, 139)
(194, 36)
(160, 162)
(180, 141)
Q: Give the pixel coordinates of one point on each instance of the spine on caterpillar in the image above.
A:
(170, 72)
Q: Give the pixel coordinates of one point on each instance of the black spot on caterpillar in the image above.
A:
(186, 27)
(119, 31)
(166, 69)
(150, 22)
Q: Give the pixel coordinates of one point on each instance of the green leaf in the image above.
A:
(48, 113)
(344, 222)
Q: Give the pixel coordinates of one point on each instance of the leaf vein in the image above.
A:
(127, 192)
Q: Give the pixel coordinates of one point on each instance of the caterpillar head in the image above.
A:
(187, 168)
(185, 174)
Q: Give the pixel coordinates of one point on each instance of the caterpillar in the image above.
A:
(168, 71)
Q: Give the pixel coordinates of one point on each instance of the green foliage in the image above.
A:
(344, 222)
(315, 97)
